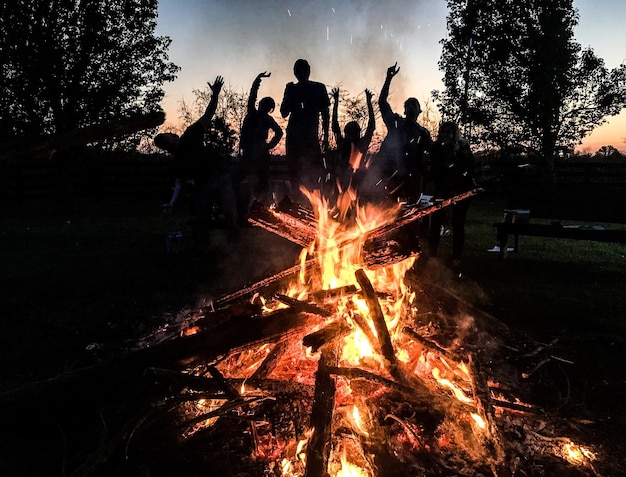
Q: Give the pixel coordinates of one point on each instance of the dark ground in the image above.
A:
(82, 283)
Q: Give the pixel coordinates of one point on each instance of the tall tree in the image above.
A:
(68, 64)
(518, 81)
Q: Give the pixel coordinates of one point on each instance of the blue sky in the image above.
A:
(347, 42)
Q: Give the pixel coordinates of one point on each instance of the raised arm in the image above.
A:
(325, 121)
(371, 120)
(335, 119)
(216, 87)
(254, 90)
(385, 109)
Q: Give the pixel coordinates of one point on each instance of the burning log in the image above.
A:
(179, 353)
(184, 380)
(228, 389)
(415, 213)
(282, 224)
(378, 319)
(318, 450)
(366, 329)
(301, 306)
(265, 283)
(431, 345)
(269, 363)
(322, 295)
(394, 367)
(358, 373)
(382, 246)
(222, 410)
(327, 334)
(485, 409)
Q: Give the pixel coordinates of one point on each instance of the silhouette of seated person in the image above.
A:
(254, 144)
(305, 102)
(351, 146)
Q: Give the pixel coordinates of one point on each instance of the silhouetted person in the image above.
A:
(351, 146)
(305, 102)
(194, 160)
(400, 160)
(255, 147)
(452, 171)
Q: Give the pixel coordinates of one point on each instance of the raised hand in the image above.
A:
(393, 70)
(368, 95)
(335, 93)
(265, 74)
(216, 87)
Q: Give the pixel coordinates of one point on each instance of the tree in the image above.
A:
(69, 64)
(608, 151)
(516, 79)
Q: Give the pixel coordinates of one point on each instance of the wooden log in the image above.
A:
(326, 335)
(365, 327)
(385, 245)
(376, 314)
(224, 385)
(416, 213)
(122, 371)
(322, 295)
(431, 345)
(318, 449)
(183, 380)
(43, 147)
(272, 280)
(302, 306)
(395, 368)
(282, 224)
(358, 373)
(270, 361)
(485, 409)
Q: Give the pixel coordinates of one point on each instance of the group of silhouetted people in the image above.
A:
(408, 163)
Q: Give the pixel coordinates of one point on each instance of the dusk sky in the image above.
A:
(349, 43)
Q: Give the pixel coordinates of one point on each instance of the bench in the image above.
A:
(517, 222)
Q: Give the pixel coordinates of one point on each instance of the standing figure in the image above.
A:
(452, 170)
(254, 144)
(400, 162)
(195, 161)
(352, 147)
(304, 102)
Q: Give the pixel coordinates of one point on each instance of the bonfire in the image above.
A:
(378, 378)
(350, 363)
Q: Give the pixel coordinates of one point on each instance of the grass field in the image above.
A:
(98, 275)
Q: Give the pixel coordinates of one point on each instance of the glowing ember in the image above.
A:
(576, 454)
(356, 419)
(458, 393)
(480, 422)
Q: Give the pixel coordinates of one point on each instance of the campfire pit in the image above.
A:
(357, 367)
